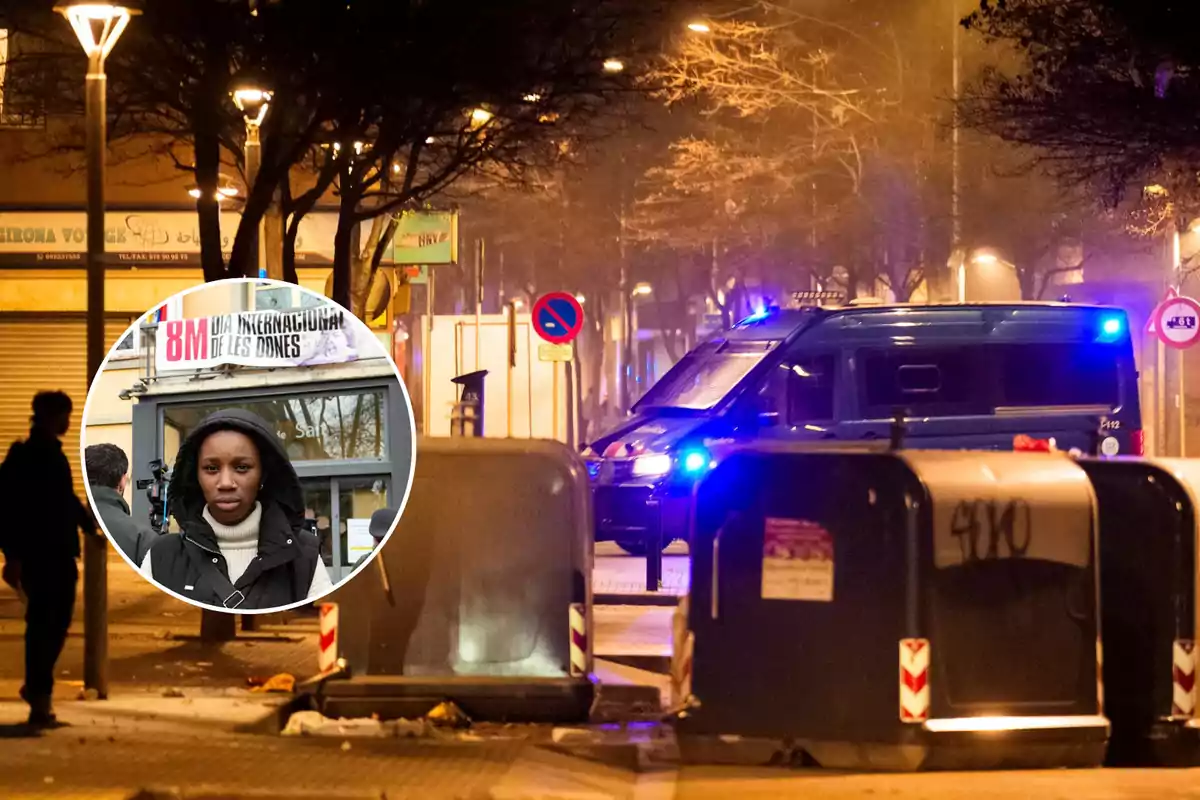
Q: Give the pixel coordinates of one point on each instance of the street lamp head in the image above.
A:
(580, 299)
(642, 289)
(253, 103)
(98, 26)
(614, 65)
(222, 193)
(699, 27)
(481, 116)
(986, 259)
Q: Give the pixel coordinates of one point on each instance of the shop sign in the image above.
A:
(135, 238)
(426, 237)
(265, 339)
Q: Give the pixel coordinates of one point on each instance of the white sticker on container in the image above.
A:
(797, 561)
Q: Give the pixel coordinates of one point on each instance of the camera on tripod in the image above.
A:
(156, 493)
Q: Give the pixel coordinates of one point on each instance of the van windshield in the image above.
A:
(704, 376)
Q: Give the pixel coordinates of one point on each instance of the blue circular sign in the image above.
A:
(557, 317)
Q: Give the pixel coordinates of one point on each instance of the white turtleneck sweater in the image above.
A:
(239, 545)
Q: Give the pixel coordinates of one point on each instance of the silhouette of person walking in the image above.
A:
(40, 541)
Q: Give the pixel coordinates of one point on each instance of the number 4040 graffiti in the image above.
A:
(988, 529)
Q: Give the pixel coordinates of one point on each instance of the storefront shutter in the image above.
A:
(46, 354)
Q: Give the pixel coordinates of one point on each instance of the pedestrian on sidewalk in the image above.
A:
(40, 540)
(240, 508)
(107, 469)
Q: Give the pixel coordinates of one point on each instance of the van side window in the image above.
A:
(1054, 374)
(927, 381)
(810, 389)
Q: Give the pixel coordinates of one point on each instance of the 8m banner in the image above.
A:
(302, 338)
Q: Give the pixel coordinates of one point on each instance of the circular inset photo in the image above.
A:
(248, 446)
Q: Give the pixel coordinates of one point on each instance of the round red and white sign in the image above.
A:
(1177, 322)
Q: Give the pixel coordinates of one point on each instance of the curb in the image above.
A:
(648, 750)
(264, 722)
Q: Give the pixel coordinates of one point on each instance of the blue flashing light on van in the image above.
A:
(965, 376)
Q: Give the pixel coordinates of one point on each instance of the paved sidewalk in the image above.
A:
(616, 572)
(149, 645)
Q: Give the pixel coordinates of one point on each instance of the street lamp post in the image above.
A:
(98, 27)
(634, 362)
(253, 103)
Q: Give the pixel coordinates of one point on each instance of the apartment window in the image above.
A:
(17, 109)
(138, 338)
(272, 297)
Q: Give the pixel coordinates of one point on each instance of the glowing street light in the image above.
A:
(642, 289)
(481, 116)
(614, 65)
(699, 27)
(253, 103)
(580, 299)
(533, 97)
(98, 27)
(223, 193)
(985, 259)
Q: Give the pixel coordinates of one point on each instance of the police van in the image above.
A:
(968, 376)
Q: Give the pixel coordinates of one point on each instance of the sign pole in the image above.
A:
(1160, 398)
(1176, 322)
(1182, 409)
(512, 359)
(427, 355)
(558, 319)
(554, 391)
(478, 301)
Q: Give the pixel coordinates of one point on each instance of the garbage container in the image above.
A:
(472, 385)
(1147, 551)
(901, 611)
(484, 601)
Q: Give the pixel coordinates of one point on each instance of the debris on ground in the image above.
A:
(173, 693)
(283, 682)
(313, 723)
(448, 715)
(88, 694)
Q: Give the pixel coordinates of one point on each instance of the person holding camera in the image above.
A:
(107, 469)
(242, 542)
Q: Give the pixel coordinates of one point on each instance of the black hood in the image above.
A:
(281, 487)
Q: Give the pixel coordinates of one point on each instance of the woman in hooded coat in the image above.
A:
(240, 510)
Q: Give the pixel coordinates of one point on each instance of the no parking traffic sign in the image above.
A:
(1176, 321)
(557, 317)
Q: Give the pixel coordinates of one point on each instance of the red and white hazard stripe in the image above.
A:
(1183, 670)
(327, 659)
(914, 680)
(579, 640)
(683, 644)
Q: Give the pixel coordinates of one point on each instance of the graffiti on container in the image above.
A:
(991, 529)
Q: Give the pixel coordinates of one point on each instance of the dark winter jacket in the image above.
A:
(43, 513)
(132, 539)
(287, 554)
